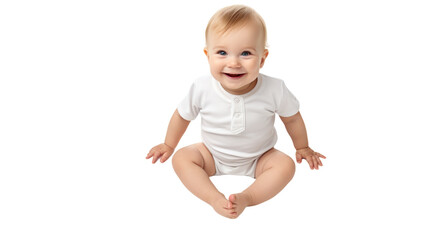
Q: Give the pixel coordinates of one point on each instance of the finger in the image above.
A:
(319, 161)
(298, 158)
(150, 154)
(164, 157)
(310, 163)
(315, 162)
(156, 156)
(310, 160)
(320, 155)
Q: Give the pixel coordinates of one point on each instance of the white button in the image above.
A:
(237, 100)
(237, 115)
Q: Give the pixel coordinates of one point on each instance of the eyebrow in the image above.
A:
(216, 47)
(223, 47)
(251, 48)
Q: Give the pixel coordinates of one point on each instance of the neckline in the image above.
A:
(230, 96)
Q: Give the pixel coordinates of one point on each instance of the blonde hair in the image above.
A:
(234, 16)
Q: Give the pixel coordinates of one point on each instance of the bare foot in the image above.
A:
(238, 202)
(221, 206)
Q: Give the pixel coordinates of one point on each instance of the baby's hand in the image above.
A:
(162, 151)
(312, 157)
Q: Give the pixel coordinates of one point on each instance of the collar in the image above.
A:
(230, 97)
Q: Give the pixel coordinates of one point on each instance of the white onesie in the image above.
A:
(238, 129)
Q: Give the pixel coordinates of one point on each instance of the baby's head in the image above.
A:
(233, 17)
(235, 47)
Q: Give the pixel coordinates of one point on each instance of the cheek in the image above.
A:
(215, 64)
(253, 65)
(214, 67)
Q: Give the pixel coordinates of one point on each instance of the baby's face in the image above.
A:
(236, 57)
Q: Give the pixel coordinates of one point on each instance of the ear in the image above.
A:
(206, 52)
(264, 56)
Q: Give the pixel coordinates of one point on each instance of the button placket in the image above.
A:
(238, 115)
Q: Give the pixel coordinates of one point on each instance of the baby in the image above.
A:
(237, 105)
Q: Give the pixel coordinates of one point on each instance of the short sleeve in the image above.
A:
(189, 107)
(288, 105)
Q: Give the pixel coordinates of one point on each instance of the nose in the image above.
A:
(233, 62)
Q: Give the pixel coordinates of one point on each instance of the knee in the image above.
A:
(178, 158)
(287, 166)
(183, 156)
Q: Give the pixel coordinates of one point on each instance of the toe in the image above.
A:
(233, 198)
(232, 203)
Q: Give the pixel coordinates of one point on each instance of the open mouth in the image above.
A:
(234, 75)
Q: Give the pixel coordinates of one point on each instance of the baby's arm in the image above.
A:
(296, 128)
(176, 129)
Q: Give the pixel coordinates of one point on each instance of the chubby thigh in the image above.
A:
(275, 159)
(199, 155)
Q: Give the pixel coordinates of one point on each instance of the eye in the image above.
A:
(221, 52)
(246, 53)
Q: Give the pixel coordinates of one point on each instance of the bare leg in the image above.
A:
(194, 165)
(274, 171)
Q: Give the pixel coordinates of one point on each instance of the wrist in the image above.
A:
(170, 146)
(301, 148)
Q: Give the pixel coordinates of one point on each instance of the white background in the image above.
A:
(88, 87)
